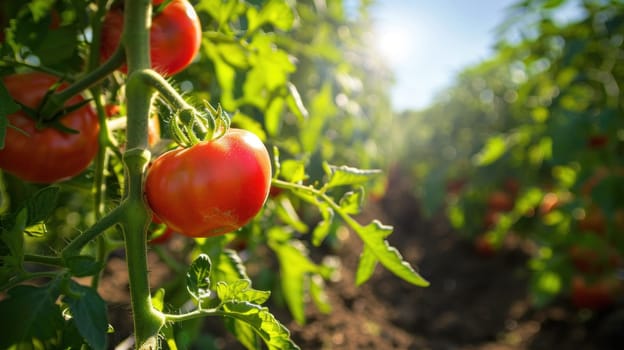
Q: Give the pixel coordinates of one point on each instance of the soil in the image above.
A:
(474, 302)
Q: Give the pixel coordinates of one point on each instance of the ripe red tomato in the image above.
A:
(483, 246)
(46, 155)
(595, 295)
(597, 141)
(211, 188)
(175, 36)
(501, 201)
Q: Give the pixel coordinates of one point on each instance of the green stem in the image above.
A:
(44, 260)
(56, 101)
(168, 92)
(74, 247)
(147, 320)
(28, 276)
(139, 95)
(101, 158)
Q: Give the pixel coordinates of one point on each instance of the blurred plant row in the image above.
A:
(526, 148)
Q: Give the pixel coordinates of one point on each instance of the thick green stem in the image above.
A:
(135, 38)
(147, 320)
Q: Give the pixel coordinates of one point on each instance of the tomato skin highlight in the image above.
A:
(47, 155)
(211, 188)
(175, 36)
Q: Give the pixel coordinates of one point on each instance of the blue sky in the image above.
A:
(428, 42)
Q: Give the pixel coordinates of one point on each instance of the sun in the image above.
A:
(396, 39)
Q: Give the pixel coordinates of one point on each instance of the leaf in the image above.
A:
(241, 291)
(351, 202)
(293, 170)
(317, 291)
(244, 333)
(89, 315)
(295, 103)
(13, 237)
(366, 266)
(198, 277)
(494, 148)
(275, 12)
(323, 228)
(274, 334)
(42, 204)
(7, 107)
(273, 116)
(158, 299)
(30, 313)
(295, 266)
(287, 213)
(83, 265)
(346, 175)
(373, 235)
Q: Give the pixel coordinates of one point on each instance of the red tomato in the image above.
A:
(490, 219)
(455, 186)
(211, 188)
(46, 155)
(597, 141)
(175, 36)
(550, 202)
(501, 201)
(483, 246)
(153, 130)
(593, 295)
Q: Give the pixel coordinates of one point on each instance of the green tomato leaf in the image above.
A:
(287, 213)
(293, 170)
(351, 202)
(275, 12)
(323, 228)
(89, 315)
(373, 235)
(366, 266)
(13, 238)
(241, 290)
(317, 291)
(30, 313)
(198, 277)
(273, 116)
(158, 299)
(348, 176)
(295, 103)
(244, 332)
(83, 265)
(494, 148)
(295, 268)
(272, 332)
(41, 205)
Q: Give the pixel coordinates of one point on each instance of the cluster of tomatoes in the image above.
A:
(208, 189)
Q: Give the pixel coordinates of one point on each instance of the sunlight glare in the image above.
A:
(396, 40)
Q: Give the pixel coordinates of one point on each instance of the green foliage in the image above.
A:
(539, 121)
(298, 74)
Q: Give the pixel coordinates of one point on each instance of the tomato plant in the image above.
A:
(175, 36)
(46, 154)
(57, 240)
(211, 188)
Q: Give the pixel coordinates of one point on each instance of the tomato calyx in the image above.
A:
(42, 120)
(191, 126)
